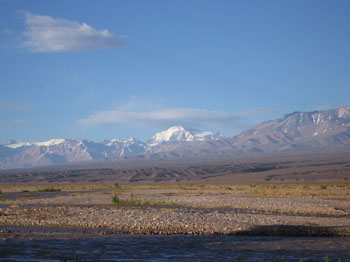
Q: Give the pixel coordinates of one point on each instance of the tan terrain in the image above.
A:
(289, 209)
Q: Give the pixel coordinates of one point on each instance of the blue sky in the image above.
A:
(115, 69)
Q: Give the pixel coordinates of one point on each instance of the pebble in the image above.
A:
(141, 220)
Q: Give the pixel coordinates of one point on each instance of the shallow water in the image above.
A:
(84, 247)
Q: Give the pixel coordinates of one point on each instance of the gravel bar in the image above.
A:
(175, 220)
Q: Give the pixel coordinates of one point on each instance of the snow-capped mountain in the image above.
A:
(24, 154)
(15, 153)
(301, 130)
(122, 148)
(180, 134)
(16, 144)
(295, 133)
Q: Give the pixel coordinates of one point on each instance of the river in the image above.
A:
(77, 247)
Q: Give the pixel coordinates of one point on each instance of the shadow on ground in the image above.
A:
(292, 230)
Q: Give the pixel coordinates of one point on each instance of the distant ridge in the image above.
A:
(295, 133)
(18, 154)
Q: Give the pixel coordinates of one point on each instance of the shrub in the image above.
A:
(49, 189)
(125, 202)
(115, 200)
(133, 201)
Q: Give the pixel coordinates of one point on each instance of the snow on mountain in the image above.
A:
(130, 141)
(308, 130)
(17, 144)
(180, 134)
(15, 154)
(122, 148)
(24, 154)
(50, 142)
(208, 135)
(327, 131)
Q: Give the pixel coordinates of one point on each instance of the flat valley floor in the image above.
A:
(311, 200)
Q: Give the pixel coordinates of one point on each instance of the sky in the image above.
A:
(117, 69)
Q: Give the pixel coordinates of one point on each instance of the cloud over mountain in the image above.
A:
(48, 34)
(296, 133)
(165, 117)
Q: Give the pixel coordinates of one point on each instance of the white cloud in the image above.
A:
(153, 113)
(48, 34)
(166, 117)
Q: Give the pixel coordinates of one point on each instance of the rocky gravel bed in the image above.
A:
(169, 220)
(209, 213)
(294, 205)
(288, 204)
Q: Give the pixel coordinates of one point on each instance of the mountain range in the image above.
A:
(295, 133)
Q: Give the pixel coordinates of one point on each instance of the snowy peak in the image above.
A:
(51, 142)
(173, 134)
(133, 140)
(315, 122)
(16, 144)
(130, 141)
(326, 131)
(343, 112)
(180, 134)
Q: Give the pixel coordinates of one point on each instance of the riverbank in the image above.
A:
(186, 210)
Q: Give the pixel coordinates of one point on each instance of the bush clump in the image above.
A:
(133, 201)
(125, 202)
(49, 189)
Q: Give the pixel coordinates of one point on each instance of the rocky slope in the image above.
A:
(329, 130)
(295, 133)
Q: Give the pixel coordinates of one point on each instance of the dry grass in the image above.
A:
(336, 190)
(47, 189)
(275, 190)
(135, 201)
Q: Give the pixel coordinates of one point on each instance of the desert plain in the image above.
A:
(289, 196)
